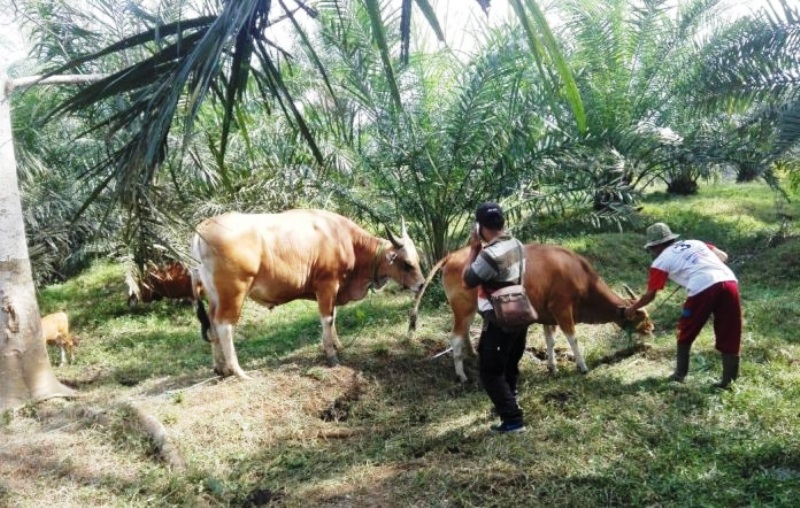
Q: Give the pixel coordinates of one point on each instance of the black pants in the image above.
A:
(499, 353)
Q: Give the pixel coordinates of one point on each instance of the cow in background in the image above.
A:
(55, 331)
(563, 288)
(171, 280)
(297, 254)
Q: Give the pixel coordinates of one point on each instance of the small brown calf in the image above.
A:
(55, 330)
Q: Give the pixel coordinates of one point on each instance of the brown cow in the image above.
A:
(172, 281)
(298, 254)
(55, 330)
(563, 288)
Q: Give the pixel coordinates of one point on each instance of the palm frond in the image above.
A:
(189, 60)
(544, 45)
(789, 126)
(750, 60)
(379, 36)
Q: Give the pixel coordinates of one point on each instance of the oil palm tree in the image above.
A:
(752, 72)
(633, 63)
(209, 56)
(467, 130)
(680, 90)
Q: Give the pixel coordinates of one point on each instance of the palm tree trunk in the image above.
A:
(25, 371)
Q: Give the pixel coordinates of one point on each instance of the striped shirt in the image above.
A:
(498, 265)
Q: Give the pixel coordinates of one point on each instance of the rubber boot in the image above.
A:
(681, 363)
(730, 371)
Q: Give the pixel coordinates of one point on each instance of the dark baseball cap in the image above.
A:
(490, 215)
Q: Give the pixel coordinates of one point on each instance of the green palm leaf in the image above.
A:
(379, 36)
(188, 59)
(543, 45)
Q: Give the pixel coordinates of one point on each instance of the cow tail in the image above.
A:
(197, 290)
(202, 316)
(414, 312)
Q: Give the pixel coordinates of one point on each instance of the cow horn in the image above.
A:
(630, 292)
(403, 232)
(397, 242)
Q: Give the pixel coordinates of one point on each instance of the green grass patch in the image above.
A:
(392, 427)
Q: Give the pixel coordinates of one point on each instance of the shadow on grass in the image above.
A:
(666, 454)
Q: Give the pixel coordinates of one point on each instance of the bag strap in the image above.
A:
(521, 262)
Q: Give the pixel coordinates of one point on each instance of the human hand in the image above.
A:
(475, 240)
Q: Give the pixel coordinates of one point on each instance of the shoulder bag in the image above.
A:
(512, 308)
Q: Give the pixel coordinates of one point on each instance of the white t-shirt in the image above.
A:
(692, 264)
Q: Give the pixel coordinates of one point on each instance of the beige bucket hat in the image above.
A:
(659, 233)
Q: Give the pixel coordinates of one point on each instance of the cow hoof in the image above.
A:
(583, 372)
(333, 361)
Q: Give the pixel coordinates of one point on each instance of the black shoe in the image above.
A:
(730, 372)
(681, 363)
(509, 428)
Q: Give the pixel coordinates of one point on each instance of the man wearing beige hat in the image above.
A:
(711, 288)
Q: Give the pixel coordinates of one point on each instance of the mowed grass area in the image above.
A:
(391, 426)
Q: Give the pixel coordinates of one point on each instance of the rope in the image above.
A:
(665, 299)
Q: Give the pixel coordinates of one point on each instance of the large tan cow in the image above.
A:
(298, 254)
(563, 288)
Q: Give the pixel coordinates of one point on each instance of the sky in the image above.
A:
(461, 21)
(11, 42)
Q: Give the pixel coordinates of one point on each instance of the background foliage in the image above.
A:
(677, 95)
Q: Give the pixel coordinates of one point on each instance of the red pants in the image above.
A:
(722, 300)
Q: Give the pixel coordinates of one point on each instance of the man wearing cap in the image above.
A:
(496, 265)
(711, 288)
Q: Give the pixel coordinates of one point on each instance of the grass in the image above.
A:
(392, 427)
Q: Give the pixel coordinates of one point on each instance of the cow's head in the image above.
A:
(402, 260)
(641, 322)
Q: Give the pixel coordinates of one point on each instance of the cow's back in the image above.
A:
(284, 255)
(554, 277)
(172, 281)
